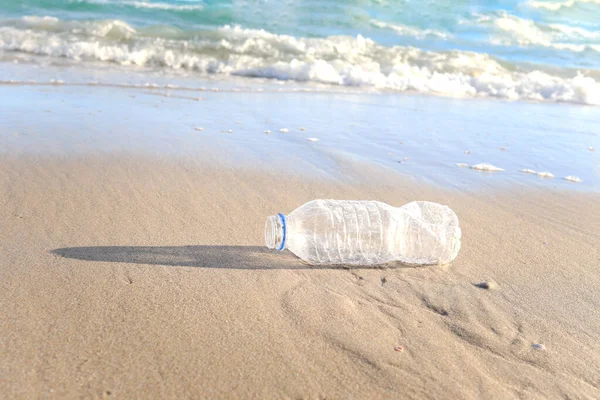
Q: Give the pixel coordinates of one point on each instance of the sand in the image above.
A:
(146, 277)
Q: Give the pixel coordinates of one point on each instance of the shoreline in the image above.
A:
(27, 72)
(423, 138)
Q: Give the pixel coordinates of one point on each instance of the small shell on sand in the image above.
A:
(198, 128)
(267, 131)
(467, 152)
(462, 165)
(548, 175)
(284, 130)
(528, 171)
(538, 346)
(312, 139)
(486, 167)
(399, 348)
(572, 178)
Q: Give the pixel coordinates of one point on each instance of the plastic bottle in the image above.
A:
(366, 233)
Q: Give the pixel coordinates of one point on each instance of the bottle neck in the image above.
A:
(276, 232)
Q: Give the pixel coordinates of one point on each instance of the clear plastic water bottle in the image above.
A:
(366, 233)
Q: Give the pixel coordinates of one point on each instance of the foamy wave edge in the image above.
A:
(557, 5)
(512, 30)
(338, 60)
(144, 4)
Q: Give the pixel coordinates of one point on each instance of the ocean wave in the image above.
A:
(555, 6)
(144, 4)
(336, 60)
(114, 29)
(405, 30)
(511, 30)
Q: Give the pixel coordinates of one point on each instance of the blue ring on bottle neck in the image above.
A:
(282, 217)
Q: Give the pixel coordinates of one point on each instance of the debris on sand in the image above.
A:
(572, 178)
(548, 175)
(489, 285)
(486, 167)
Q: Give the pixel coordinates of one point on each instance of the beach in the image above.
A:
(143, 273)
(143, 144)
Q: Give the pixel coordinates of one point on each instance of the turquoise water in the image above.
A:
(532, 31)
(532, 49)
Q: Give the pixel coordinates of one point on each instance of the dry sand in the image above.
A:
(123, 277)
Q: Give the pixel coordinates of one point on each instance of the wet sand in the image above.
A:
(311, 133)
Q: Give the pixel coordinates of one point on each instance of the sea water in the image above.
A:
(417, 87)
(530, 50)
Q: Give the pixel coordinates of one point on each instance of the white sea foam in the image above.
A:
(405, 30)
(512, 30)
(549, 175)
(572, 178)
(337, 60)
(38, 20)
(35, 26)
(528, 171)
(486, 167)
(163, 6)
(144, 4)
(555, 6)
